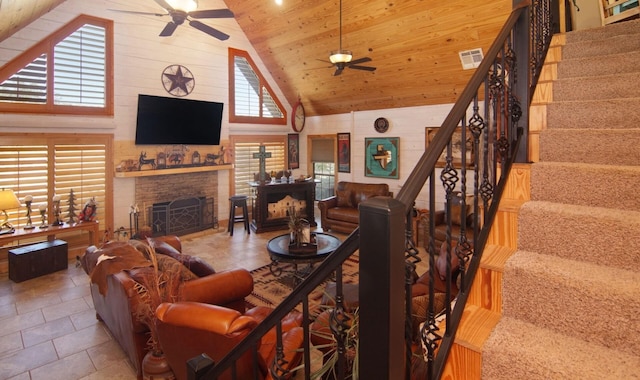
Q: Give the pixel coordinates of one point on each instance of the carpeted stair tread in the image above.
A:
(628, 28)
(626, 62)
(587, 301)
(586, 184)
(595, 48)
(593, 114)
(598, 235)
(519, 350)
(594, 88)
(588, 146)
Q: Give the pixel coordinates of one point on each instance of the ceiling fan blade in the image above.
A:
(139, 13)
(169, 29)
(165, 5)
(360, 60)
(338, 71)
(366, 68)
(212, 13)
(209, 30)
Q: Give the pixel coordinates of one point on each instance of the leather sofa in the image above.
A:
(340, 212)
(115, 298)
(189, 329)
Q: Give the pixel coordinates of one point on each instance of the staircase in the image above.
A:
(571, 291)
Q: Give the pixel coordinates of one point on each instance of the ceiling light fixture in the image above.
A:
(340, 56)
(183, 5)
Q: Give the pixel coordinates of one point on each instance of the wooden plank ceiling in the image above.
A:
(414, 45)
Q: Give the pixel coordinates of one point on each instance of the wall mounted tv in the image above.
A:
(163, 120)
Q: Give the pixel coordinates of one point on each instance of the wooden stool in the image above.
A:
(238, 201)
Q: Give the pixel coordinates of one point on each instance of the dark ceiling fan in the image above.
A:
(182, 11)
(342, 59)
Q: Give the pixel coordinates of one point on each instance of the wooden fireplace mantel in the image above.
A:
(194, 169)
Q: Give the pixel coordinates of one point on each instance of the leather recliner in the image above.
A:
(189, 329)
(340, 212)
(116, 300)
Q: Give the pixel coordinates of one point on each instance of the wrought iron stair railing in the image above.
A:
(492, 116)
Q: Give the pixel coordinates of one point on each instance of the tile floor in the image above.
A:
(48, 328)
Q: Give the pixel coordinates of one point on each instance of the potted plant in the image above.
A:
(155, 285)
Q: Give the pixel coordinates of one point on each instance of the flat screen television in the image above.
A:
(163, 120)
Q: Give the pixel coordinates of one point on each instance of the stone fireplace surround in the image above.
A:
(167, 188)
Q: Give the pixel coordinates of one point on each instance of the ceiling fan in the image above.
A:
(342, 59)
(185, 10)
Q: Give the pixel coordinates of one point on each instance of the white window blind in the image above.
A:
(246, 166)
(68, 72)
(80, 68)
(29, 85)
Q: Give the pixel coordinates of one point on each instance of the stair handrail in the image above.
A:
(202, 367)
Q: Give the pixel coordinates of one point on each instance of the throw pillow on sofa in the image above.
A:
(195, 264)
(344, 198)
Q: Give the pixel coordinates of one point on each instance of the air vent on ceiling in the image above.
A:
(471, 58)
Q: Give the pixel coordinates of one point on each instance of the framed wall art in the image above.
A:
(344, 152)
(456, 151)
(381, 157)
(293, 149)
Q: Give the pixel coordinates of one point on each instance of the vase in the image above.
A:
(156, 367)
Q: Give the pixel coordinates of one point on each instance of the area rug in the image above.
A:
(270, 290)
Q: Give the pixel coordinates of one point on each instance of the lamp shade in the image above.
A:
(183, 5)
(340, 56)
(8, 200)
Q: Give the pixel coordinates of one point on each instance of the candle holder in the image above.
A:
(56, 211)
(43, 215)
(27, 201)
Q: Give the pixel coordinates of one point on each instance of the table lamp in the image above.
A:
(8, 200)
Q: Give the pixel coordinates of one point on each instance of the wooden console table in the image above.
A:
(51, 232)
(272, 193)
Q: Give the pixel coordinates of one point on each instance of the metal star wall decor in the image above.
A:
(178, 80)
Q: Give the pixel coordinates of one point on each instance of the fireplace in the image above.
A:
(182, 216)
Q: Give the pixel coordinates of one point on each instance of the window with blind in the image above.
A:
(253, 101)
(68, 72)
(46, 166)
(245, 165)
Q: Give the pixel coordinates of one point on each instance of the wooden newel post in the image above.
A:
(382, 272)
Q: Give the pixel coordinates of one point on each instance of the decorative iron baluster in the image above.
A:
(278, 368)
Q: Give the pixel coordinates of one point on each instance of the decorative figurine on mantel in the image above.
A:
(27, 201)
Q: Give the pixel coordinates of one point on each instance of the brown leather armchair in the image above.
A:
(340, 212)
(115, 298)
(440, 234)
(188, 329)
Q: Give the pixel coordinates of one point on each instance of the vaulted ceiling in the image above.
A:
(414, 45)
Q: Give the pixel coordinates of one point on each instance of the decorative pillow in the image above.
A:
(195, 264)
(169, 264)
(344, 198)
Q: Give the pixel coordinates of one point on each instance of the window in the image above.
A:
(325, 172)
(245, 166)
(68, 72)
(252, 100)
(44, 166)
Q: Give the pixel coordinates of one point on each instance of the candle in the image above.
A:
(42, 207)
(28, 199)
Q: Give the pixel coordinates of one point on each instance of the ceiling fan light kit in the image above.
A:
(183, 5)
(341, 56)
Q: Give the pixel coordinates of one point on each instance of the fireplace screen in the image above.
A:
(182, 216)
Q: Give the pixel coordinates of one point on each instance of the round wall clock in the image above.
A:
(381, 124)
(178, 80)
(298, 117)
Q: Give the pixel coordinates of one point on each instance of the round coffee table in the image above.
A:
(278, 249)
